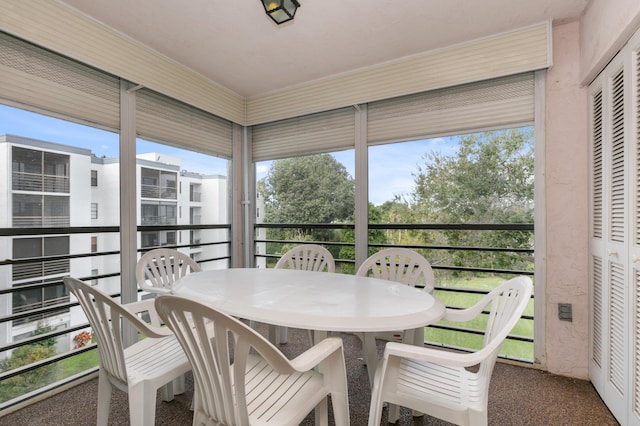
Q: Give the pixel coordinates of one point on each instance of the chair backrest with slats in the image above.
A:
(158, 269)
(400, 265)
(218, 347)
(505, 305)
(105, 316)
(308, 257)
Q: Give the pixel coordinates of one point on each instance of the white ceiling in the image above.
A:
(235, 44)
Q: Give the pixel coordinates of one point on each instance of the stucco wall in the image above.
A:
(606, 27)
(580, 51)
(566, 203)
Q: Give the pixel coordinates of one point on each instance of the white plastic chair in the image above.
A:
(242, 379)
(307, 257)
(438, 382)
(140, 369)
(403, 266)
(158, 269)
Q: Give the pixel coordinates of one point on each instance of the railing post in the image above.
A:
(128, 201)
(362, 186)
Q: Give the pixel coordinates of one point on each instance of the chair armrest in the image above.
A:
(140, 306)
(462, 315)
(150, 330)
(436, 356)
(316, 354)
(152, 289)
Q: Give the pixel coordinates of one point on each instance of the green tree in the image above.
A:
(376, 236)
(25, 355)
(488, 180)
(312, 189)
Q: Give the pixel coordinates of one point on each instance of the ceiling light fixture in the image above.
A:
(280, 10)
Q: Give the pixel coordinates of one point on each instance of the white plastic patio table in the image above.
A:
(319, 301)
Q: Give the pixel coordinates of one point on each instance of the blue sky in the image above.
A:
(100, 142)
(390, 166)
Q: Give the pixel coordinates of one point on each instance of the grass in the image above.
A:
(30, 381)
(77, 364)
(510, 349)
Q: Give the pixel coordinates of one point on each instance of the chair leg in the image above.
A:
(375, 409)
(142, 405)
(284, 335)
(167, 391)
(394, 413)
(340, 410)
(477, 417)
(322, 413)
(104, 399)
(175, 387)
(178, 385)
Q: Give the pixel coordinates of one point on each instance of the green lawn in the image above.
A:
(510, 348)
(76, 364)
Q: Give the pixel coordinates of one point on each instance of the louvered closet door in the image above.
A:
(598, 231)
(615, 237)
(633, 64)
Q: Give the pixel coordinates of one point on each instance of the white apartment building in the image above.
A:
(52, 185)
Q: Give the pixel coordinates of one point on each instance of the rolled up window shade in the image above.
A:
(42, 81)
(310, 134)
(497, 103)
(163, 119)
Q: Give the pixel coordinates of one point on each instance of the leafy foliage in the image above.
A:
(313, 189)
(25, 355)
(489, 180)
(348, 236)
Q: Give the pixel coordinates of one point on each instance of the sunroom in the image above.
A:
(142, 79)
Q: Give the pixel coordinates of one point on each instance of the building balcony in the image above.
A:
(40, 221)
(158, 220)
(40, 183)
(27, 270)
(163, 192)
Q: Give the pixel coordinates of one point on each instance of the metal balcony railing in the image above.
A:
(58, 306)
(159, 220)
(39, 183)
(40, 221)
(458, 284)
(154, 191)
(45, 307)
(44, 268)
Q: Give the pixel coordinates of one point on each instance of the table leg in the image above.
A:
(283, 335)
(370, 355)
(318, 336)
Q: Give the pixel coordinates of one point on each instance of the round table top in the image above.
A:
(312, 300)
